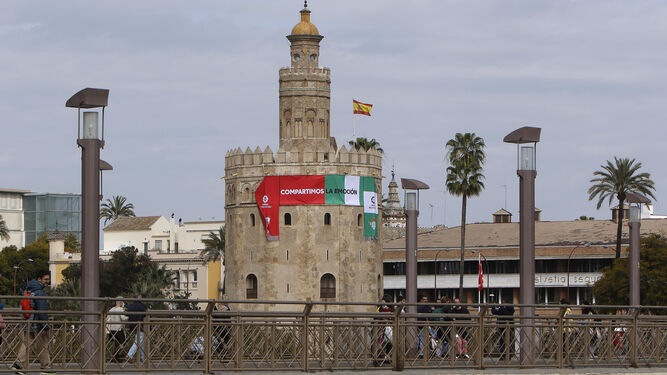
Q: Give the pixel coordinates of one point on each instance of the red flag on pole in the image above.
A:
(480, 280)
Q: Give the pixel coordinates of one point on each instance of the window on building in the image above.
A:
(176, 246)
(251, 287)
(168, 245)
(194, 275)
(145, 247)
(158, 245)
(177, 280)
(360, 220)
(288, 219)
(327, 219)
(252, 220)
(394, 268)
(328, 286)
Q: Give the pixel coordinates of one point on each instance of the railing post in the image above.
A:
(102, 347)
(208, 339)
(634, 339)
(398, 345)
(239, 342)
(322, 341)
(560, 348)
(480, 337)
(147, 341)
(304, 335)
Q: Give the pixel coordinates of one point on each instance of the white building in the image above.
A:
(11, 210)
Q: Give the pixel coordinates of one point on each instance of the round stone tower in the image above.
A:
(321, 253)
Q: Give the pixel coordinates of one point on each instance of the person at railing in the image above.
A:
(505, 313)
(440, 332)
(423, 309)
(139, 308)
(38, 329)
(594, 332)
(114, 328)
(462, 334)
(387, 334)
(223, 333)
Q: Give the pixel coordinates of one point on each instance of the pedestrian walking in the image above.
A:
(137, 328)
(462, 331)
(505, 313)
(114, 328)
(37, 327)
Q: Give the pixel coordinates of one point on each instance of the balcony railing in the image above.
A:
(275, 335)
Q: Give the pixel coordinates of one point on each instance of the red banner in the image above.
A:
(267, 196)
(296, 190)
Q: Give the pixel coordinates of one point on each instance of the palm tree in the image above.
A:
(614, 181)
(113, 209)
(464, 177)
(4, 231)
(214, 246)
(366, 144)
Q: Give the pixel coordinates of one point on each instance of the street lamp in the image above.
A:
(91, 167)
(635, 219)
(526, 139)
(435, 274)
(411, 188)
(586, 244)
(16, 268)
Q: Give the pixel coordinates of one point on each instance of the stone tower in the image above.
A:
(393, 214)
(321, 253)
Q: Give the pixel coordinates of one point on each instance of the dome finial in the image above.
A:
(305, 3)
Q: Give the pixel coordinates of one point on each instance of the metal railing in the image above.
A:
(284, 335)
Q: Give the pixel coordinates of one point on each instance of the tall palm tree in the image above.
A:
(4, 231)
(614, 181)
(366, 144)
(116, 207)
(466, 156)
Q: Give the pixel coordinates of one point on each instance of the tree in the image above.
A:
(366, 144)
(584, 217)
(614, 286)
(615, 181)
(118, 207)
(214, 246)
(4, 231)
(464, 178)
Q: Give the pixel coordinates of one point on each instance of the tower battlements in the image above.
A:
(237, 158)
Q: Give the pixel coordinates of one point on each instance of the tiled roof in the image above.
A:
(547, 233)
(132, 223)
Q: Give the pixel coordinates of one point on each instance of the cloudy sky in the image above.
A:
(191, 80)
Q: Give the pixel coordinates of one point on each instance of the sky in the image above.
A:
(191, 80)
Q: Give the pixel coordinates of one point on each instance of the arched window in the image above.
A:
(251, 287)
(327, 219)
(360, 220)
(328, 286)
(252, 220)
(288, 219)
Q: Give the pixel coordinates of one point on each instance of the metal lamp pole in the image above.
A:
(526, 139)
(635, 224)
(488, 283)
(435, 274)
(91, 167)
(16, 268)
(568, 268)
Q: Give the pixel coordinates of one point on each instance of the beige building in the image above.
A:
(569, 257)
(11, 210)
(177, 246)
(321, 253)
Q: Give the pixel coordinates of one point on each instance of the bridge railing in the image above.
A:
(289, 335)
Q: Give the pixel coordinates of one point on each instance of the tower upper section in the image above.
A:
(304, 92)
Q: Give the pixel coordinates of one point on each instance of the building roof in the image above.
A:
(502, 211)
(20, 191)
(547, 233)
(132, 223)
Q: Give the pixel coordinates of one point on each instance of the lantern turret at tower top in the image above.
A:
(305, 90)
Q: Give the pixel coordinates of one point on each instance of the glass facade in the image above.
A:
(46, 213)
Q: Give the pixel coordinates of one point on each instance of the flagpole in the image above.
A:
(354, 127)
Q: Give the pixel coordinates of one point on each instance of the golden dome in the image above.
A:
(305, 27)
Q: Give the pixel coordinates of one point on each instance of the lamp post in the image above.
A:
(91, 167)
(435, 274)
(569, 257)
(16, 268)
(411, 188)
(526, 139)
(634, 222)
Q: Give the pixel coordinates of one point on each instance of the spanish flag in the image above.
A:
(361, 108)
